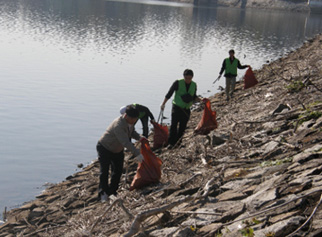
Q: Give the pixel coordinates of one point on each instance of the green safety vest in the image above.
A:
(182, 90)
(142, 113)
(231, 68)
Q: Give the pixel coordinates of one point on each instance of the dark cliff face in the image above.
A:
(258, 172)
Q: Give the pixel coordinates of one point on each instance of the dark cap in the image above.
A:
(232, 51)
(131, 111)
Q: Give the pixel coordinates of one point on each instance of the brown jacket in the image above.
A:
(117, 136)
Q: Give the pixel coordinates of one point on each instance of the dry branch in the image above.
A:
(188, 180)
(45, 229)
(310, 217)
(120, 201)
(135, 227)
(207, 187)
(198, 213)
(284, 143)
(27, 222)
(315, 86)
(204, 161)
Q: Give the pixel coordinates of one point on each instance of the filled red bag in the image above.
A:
(208, 121)
(160, 136)
(149, 170)
(249, 79)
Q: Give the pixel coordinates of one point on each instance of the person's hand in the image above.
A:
(248, 66)
(139, 158)
(162, 106)
(152, 121)
(204, 100)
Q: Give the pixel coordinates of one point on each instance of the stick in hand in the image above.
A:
(217, 79)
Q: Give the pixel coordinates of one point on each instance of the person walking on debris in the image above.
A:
(185, 93)
(110, 149)
(230, 66)
(144, 115)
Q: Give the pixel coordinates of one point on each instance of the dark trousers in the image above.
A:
(145, 125)
(179, 117)
(109, 160)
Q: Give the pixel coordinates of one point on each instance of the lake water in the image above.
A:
(68, 66)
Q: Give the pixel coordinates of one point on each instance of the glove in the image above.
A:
(139, 158)
(152, 121)
(162, 107)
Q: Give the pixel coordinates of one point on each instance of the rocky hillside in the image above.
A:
(257, 174)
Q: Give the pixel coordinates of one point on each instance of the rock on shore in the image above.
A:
(257, 174)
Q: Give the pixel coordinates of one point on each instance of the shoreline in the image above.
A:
(241, 173)
(299, 6)
(36, 187)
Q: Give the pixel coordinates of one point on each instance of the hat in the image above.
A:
(122, 110)
(131, 111)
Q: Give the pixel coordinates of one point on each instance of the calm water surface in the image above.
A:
(68, 66)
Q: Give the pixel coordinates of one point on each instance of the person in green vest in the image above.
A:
(185, 94)
(230, 66)
(144, 115)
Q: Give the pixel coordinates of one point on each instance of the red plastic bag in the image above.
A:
(249, 79)
(161, 134)
(149, 170)
(208, 121)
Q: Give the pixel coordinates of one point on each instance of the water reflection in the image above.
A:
(120, 27)
(70, 65)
